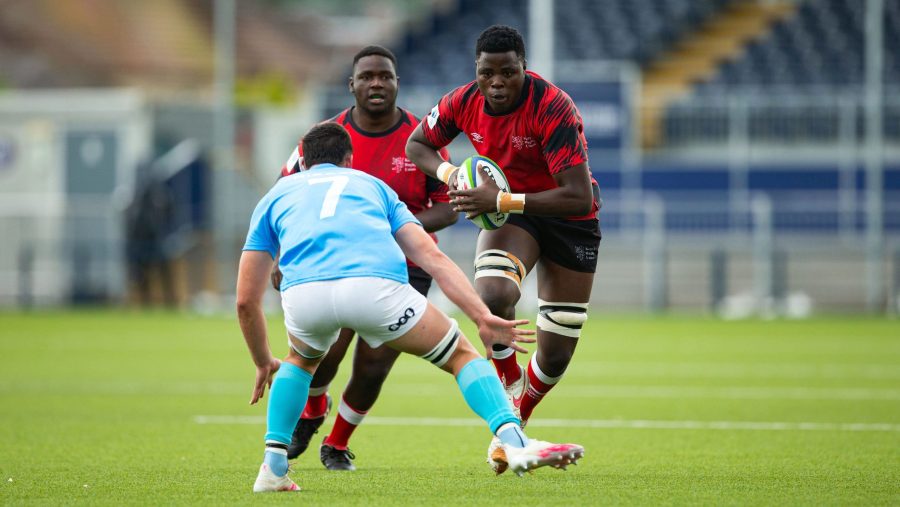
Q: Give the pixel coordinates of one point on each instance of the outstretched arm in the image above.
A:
(253, 272)
(419, 248)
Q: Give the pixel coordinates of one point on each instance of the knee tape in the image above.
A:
(305, 355)
(501, 264)
(441, 353)
(562, 318)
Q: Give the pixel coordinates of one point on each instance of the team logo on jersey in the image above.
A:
(476, 137)
(402, 164)
(432, 118)
(520, 142)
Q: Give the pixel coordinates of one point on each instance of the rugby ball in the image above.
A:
(468, 177)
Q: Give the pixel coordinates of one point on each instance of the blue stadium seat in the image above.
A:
(819, 49)
(634, 30)
(822, 47)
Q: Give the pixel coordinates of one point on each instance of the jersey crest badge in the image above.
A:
(520, 142)
(402, 164)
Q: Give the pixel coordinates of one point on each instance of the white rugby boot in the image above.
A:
(267, 481)
(516, 391)
(496, 456)
(539, 454)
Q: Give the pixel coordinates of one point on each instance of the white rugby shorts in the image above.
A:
(378, 309)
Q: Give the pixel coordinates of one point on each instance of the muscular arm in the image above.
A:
(422, 153)
(420, 248)
(253, 271)
(572, 197)
(437, 217)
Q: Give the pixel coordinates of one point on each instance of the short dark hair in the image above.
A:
(375, 50)
(500, 39)
(326, 143)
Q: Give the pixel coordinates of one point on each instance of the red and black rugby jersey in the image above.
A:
(383, 155)
(541, 136)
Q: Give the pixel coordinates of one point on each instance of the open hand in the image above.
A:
(264, 376)
(493, 329)
(478, 200)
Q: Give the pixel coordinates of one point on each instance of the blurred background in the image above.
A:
(748, 151)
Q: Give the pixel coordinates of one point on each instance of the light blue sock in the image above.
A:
(485, 395)
(277, 461)
(511, 434)
(286, 401)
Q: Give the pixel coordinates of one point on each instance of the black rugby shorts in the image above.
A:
(572, 244)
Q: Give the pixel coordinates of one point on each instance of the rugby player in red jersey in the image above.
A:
(534, 132)
(378, 130)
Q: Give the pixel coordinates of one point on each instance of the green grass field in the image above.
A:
(134, 408)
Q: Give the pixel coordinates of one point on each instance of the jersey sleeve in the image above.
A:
(261, 236)
(561, 128)
(440, 126)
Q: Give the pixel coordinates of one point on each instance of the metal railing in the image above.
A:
(773, 117)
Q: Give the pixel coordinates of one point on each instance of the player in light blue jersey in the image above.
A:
(342, 233)
(357, 242)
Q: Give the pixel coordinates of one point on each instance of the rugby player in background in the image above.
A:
(379, 130)
(534, 132)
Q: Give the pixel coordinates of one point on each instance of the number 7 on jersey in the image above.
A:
(329, 205)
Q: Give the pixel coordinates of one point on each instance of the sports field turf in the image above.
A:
(129, 408)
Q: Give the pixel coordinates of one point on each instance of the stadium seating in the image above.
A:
(809, 59)
(818, 51)
(822, 46)
(634, 30)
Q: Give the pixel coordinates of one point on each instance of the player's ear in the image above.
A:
(524, 64)
(350, 84)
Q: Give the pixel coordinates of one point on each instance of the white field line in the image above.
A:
(437, 385)
(735, 370)
(684, 392)
(759, 393)
(591, 423)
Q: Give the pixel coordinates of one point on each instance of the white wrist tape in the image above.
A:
(445, 171)
(510, 203)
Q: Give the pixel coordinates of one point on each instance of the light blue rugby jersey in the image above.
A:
(331, 222)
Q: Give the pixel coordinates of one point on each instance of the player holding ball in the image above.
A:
(534, 133)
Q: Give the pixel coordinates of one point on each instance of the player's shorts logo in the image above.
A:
(408, 314)
(586, 253)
